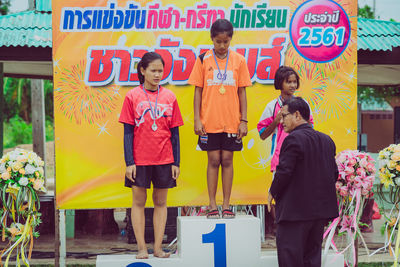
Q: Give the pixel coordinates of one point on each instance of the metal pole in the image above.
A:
(63, 246)
(261, 216)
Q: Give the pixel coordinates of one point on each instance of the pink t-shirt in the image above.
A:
(268, 116)
(151, 147)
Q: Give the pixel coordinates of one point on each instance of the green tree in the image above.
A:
(366, 12)
(4, 7)
(17, 96)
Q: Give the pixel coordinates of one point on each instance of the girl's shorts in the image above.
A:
(160, 175)
(220, 141)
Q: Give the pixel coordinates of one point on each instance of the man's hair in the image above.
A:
(298, 104)
(282, 74)
(221, 26)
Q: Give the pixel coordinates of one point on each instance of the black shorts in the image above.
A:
(220, 141)
(160, 175)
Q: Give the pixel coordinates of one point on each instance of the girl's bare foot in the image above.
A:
(161, 254)
(142, 254)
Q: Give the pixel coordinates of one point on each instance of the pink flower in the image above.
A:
(338, 185)
(364, 192)
(357, 182)
(349, 170)
(371, 167)
(363, 162)
(352, 162)
(344, 191)
(346, 224)
(341, 158)
(350, 178)
(361, 172)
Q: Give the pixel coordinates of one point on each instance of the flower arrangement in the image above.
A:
(356, 172)
(353, 187)
(389, 165)
(22, 177)
(389, 175)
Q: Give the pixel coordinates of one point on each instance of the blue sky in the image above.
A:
(385, 9)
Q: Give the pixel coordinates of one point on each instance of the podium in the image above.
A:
(206, 242)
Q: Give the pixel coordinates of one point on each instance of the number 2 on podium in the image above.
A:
(218, 238)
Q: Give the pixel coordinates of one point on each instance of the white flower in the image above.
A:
(14, 154)
(29, 169)
(23, 181)
(383, 163)
(22, 158)
(2, 167)
(32, 158)
(38, 185)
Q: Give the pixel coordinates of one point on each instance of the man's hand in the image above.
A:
(269, 202)
(175, 172)
(130, 172)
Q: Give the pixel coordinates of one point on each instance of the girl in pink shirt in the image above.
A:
(288, 81)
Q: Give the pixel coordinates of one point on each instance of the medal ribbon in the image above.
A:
(223, 78)
(153, 113)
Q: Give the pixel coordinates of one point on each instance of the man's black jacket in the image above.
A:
(304, 182)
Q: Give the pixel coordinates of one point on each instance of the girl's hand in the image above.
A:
(130, 172)
(278, 117)
(199, 128)
(242, 131)
(175, 172)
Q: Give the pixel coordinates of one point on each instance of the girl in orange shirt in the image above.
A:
(220, 77)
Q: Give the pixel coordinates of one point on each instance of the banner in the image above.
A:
(97, 44)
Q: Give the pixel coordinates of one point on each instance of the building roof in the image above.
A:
(377, 35)
(29, 28)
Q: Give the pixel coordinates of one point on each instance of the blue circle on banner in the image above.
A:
(138, 264)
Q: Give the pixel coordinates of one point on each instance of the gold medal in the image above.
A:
(222, 90)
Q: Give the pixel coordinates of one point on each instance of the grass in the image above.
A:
(375, 264)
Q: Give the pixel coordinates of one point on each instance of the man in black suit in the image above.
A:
(303, 188)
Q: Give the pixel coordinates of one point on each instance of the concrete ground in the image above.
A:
(84, 249)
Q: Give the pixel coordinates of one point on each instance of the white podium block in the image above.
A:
(206, 242)
(225, 242)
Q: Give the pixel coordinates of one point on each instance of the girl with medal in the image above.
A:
(220, 77)
(287, 81)
(151, 119)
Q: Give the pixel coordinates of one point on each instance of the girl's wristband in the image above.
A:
(244, 121)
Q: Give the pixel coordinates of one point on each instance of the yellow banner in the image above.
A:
(97, 44)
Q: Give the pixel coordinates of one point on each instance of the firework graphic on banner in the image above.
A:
(80, 102)
(293, 59)
(336, 100)
(311, 84)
